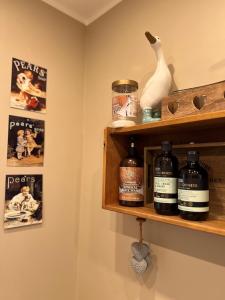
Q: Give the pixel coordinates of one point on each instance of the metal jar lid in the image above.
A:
(124, 85)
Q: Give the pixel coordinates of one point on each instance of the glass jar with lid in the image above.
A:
(124, 103)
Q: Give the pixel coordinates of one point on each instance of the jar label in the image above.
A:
(193, 195)
(165, 189)
(192, 208)
(124, 106)
(131, 184)
(193, 200)
(165, 200)
(165, 185)
(159, 173)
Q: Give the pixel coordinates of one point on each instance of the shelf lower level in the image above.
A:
(213, 225)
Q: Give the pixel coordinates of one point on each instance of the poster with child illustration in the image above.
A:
(28, 86)
(23, 200)
(25, 142)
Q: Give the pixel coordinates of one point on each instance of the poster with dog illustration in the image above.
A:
(25, 142)
(23, 200)
(28, 86)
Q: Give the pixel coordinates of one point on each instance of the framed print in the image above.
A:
(25, 142)
(28, 86)
(23, 200)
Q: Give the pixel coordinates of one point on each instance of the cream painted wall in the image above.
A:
(39, 262)
(186, 264)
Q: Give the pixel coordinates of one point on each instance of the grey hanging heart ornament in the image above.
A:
(139, 250)
(139, 266)
(148, 259)
(141, 253)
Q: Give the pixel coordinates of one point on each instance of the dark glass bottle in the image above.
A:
(193, 190)
(131, 188)
(165, 181)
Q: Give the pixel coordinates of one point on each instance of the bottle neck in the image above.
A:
(166, 152)
(132, 150)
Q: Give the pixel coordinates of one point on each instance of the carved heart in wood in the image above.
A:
(199, 101)
(173, 107)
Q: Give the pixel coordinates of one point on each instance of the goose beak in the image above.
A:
(150, 37)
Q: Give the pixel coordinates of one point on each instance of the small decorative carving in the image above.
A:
(199, 101)
(194, 101)
(173, 107)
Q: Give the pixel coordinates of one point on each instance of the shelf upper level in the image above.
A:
(200, 121)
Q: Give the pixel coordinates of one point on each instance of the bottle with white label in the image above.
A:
(193, 190)
(165, 181)
(131, 187)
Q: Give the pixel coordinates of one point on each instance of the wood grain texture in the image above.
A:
(212, 225)
(114, 150)
(194, 101)
(206, 120)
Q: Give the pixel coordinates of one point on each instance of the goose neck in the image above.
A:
(160, 56)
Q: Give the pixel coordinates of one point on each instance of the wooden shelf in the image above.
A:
(201, 128)
(211, 226)
(209, 120)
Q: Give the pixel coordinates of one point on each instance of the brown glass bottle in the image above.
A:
(131, 189)
(193, 190)
(165, 181)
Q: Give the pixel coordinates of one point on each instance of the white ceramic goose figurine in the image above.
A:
(158, 85)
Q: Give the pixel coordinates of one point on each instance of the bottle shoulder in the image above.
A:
(196, 177)
(132, 162)
(166, 163)
(166, 157)
(197, 170)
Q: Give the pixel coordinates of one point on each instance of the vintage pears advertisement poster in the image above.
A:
(25, 142)
(28, 86)
(23, 200)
